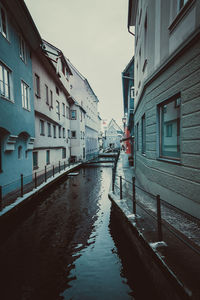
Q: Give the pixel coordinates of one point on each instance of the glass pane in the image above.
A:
(170, 129)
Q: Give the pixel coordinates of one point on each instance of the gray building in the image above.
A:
(167, 101)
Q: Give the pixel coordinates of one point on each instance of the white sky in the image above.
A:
(93, 35)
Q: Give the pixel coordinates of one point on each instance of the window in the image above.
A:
(22, 49)
(67, 112)
(169, 133)
(41, 127)
(58, 108)
(51, 99)
(47, 94)
(68, 133)
(3, 23)
(73, 134)
(19, 152)
(57, 90)
(37, 85)
(143, 134)
(49, 129)
(63, 133)
(73, 114)
(181, 3)
(25, 95)
(63, 152)
(132, 92)
(35, 160)
(54, 131)
(59, 131)
(48, 157)
(63, 107)
(4, 82)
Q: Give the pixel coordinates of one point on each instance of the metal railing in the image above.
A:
(26, 183)
(156, 216)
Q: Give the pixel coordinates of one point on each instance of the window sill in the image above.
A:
(7, 99)
(37, 96)
(27, 109)
(181, 15)
(171, 161)
(42, 134)
(35, 168)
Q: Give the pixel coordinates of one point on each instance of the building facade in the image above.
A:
(167, 118)
(128, 101)
(52, 110)
(17, 131)
(112, 136)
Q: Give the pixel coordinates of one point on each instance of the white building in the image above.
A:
(85, 142)
(112, 135)
(167, 104)
(52, 109)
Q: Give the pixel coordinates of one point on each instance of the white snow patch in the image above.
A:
(156, 245)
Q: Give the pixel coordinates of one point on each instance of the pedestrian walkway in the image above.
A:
(180, 246)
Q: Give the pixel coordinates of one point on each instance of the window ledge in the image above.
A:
(168, 160)
(27, 109)
(35, 168)
(181, 15)
(7, 99)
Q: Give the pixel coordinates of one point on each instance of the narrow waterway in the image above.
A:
(70, 247)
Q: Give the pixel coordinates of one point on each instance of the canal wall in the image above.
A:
(165, 282)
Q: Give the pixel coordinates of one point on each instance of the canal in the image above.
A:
(69, 246)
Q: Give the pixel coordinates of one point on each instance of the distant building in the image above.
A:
(17, 132)
(167, 104)
(128, 101)
(112, 135)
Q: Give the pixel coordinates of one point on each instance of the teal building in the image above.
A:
(18, 39)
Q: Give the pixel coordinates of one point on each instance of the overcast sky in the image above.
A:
(93, 35)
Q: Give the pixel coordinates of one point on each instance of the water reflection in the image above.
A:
(64, 249)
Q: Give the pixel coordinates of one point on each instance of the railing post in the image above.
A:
(134, 200)
(113, 180)
(59, 167)
(120, 187)
(159, 221)
(1, 197)
(35, 180)
(53, 170)
(45, 173)
(22, 186)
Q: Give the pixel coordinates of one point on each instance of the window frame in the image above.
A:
(42, 127)
(37, 85)
(22, 49)
(71, 112)
(36, 154)
(3, 70)
(161, 132)
(73, 131)
(4, 33)
(47, 94)
(25, 97)
(48, 157)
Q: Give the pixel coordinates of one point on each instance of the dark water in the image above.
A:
(70, 247)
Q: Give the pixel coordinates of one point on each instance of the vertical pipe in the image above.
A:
(120, 187)
(53, 170)
(35, 180)
(22, 186)
(134, 200)
(45, 173)
(59, 167)
(159, 218)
